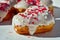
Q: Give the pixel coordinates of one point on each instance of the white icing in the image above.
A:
(19, 20)
(32, 29)
(21, 4)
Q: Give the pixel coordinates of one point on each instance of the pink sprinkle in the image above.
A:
(37, 10)
(18, 0)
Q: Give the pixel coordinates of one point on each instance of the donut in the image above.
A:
(35, 20)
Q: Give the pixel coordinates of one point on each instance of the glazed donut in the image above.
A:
(35, 20)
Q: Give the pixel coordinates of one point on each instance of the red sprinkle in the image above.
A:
(41, 11)
(23, 15)
(32, 22)
(36, 19)
(44, 8)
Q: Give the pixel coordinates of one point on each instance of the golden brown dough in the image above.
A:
(40, 29)
(21, 30)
